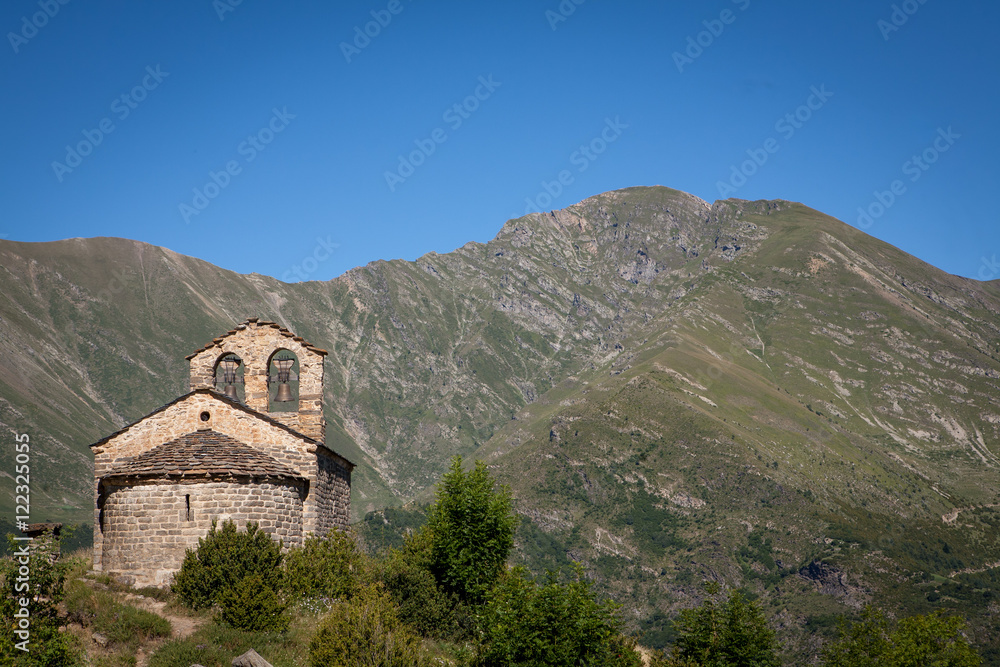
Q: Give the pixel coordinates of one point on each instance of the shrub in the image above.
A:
(557, 625)
(917, 641)
(472, 532)
(250, 605)
(366, 632)
(331, 567)
(223, 558)
(43, 591)
(421, 603)
(733, 633)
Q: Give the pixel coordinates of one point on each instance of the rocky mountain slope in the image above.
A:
(675, 390)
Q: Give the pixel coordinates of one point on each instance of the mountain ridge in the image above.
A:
(752, 392)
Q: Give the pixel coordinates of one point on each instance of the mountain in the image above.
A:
(675, 390)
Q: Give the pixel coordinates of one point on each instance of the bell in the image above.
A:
(284, 365)
(284, 394)
(229, 366)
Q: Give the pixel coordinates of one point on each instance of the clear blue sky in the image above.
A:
(210, 85)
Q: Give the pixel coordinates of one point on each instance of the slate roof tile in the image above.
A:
(204, 453)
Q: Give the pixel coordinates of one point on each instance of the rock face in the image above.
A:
(831, 581)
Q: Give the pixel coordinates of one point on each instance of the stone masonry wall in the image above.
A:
(333, 494)
(148, 524)
(185, 417)
(255, 343)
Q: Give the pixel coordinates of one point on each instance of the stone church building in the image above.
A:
(247, 443)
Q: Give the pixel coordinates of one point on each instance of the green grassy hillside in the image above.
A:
(746, 391)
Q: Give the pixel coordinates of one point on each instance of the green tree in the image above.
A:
(422, 604)
(733, 633)
(864, 643)
(223, 558)
(555, 625)
(472, 527)
(366, 632)
(926, 640)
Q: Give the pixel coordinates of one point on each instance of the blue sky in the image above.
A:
(282, 139)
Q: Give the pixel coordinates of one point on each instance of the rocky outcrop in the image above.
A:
(831, 581)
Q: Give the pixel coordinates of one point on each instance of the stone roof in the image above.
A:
(236, 404)
(204, 453)
(260, 323)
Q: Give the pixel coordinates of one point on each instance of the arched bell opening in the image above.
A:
(283, 382)
(229, 370)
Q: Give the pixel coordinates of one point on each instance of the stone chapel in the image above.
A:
(247, 443)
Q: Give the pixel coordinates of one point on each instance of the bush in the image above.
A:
(731, 634)
(472, 532)
(366, 632)
(250, 605)
(331, 567)
(917, 641)
(224, 558)
(421, 603)
(557, 625)
(43, 591)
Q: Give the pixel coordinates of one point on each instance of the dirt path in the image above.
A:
(183, 626)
